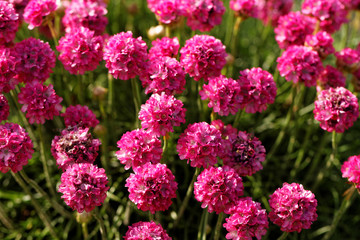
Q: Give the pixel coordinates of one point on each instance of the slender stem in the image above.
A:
(5, 219)
(101, 223)
(137, 99)
(111, 93)
(164, 144)
(203, 223)
(151, 216)
(236, 28)
(218, 226)
(167, 31)
(213, 116)
(237, 118)
(81, 89)
(52, 31)
(283, 236)
(85, 230)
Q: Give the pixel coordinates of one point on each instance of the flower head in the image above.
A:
(336, 109)
(322, 43)
(152, 187)
(330, 77)
(271, 10)
(36, 10)
(7, 70)
(19, 6)
(16, 147)
(80, 116)
(244, 8)
(292, 207)
(4, 108)
(167, 11)
(351, 170)
(348, 59)
(146, 231)
(83, 186)
(164, 47)
(9, 22)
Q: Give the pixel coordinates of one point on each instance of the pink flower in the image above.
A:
(203, 56)
(19, 6)
(351, 170)
(292, 207)
(321, 42)
(164, 74)
(218, 189)
(161, 113)
(125, 56)
(330, 77)
(83, 186)
(80, 116)
(4, 108)
(152, 187)
(300, 64)
(165, 47)
(348, 59)
(168, 11)
(36, 60)
(336, 109)
(36, 10)
(40, 102)
(89, 14)
(258, 89)
(227, 132)
(80, 51)
(200, 144)
(330, 13)
(271, 10)
(244, 8)
(293, 28)
(139, 147)
(224, 95)
(146, 231)
(203, 15)
(75, 145)
(16, 147)
(247, 220)
(7, 70)
(9, 22)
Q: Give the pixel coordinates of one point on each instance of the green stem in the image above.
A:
(167, 31)
(203, 223)
(101, 224)
(235, 33)
(151, 216)
(237, 118)
(218, 226)
(164, 144)
(283, 236)
(199, 103)
(137, 99)
(85, 231)
(52, 31)
(111, 93)
(5, 219)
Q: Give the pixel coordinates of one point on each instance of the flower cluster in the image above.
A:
(322, 43)
(167, 11)
(16, 147)
(4, 108)
(36, 10)
(40, 102)
(152, 187)
(9, 22)
(336, 109)
(351, 170)
(83, 186)
(161, 113)
(218, 189)
(200, 144)
(139, 147)
(125, 56)
(271, 10)
(80, 116)
(203, 56)
(244, 8)
(7, 70)
(75, 145)
(19, 6)
(348, 59)
(292, 207)
(146, 230)
(164, 47)
(330, 78)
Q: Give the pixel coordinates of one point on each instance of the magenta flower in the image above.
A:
(165, 47)
(218, 189)
(83, 186)
(40, 102)
(36, 60)
(348, 59)
(168, 11)
(164, 74)
(351, 170)
(293, 28)
(330, 77)
(200, 144)
(125, 56)
(146, 230)
(16, 147)
(36, 10)
(271, 10)
(161, 113)
(4, 108)
(203, 56)
(139, 147)
(245, 8)
(9, 22)
(322, 43)
(300, 64)
(258, 89)
(224, 95)
(227, 132)
(19, 6)
(80, 51)
(336, 109)
(292, 207)
(152, 187)
(79, 116)
(7, 70)
(247, 220)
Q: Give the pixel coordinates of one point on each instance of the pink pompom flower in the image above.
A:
(164, 47)
(203, 56)
(336, 109)
(36, 10)
(348, 59)
(80, 116)
(80, 50)
(351, 170)
(224, 95)
(244, 8)
(4, 108)
(16, 147)
(83, 186)
(330, 77)
(152, 187)
(7, 70)
(271, 10)
(322, 43)
(9, 22)
(247, 220)
(75, 145)
(293, 28)
(258, 89)
(19, 6)
(161, 113)
(292, 207)
(218, 189)
(36, 60)
(167, 11)
(40, 102)
(139, 147)
(200, 144)
(300, 64)
(146, 230)
(125, 56)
